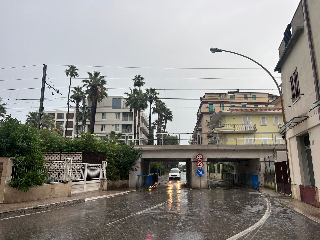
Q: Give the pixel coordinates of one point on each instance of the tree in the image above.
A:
(72, 73)
(77, 95)
(3, 109)
(47, 122)
(170, 140)
(138, 81)
(137, 100)
(96, 91)
(159, 109)
(167, 116)
(22, 142)
(152, 96)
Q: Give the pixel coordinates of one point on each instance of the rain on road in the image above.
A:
(170, 211)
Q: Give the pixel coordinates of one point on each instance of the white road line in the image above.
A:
(258, 224)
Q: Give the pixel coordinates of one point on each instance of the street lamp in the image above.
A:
(214, 50)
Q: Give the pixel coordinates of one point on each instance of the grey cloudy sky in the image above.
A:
(158, 36)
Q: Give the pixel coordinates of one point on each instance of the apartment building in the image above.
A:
(223, 102)
(299, 59)
(246, 126)
(112, 115)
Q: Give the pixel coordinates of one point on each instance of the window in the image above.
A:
(127, 116)
(247, 122)
(245, 96)
(295, 88)
(233, 105)
(104, 116)
(116, 103)
(116, 127)
(60, 115)
(248, 140)
(231, 96)
(103, 128)
(222, 107)
(255, 105)
(276, 120)
(278, 140)
(117, 115)
(131, 116)
(254, 97)
(265, 140)
(244, 106)
(263, 121)
(210, 107)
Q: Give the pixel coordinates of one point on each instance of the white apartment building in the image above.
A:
(112, 115)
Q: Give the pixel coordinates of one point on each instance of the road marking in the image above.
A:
(258, 224)
(137, 213)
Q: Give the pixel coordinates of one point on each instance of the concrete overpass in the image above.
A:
(247, 159)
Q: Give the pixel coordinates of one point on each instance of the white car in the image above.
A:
(174, 174)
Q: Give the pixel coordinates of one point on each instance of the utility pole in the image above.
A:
(44, 75)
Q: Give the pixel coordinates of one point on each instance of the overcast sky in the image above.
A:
(161, 38)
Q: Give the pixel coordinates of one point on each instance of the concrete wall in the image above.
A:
(112, 185)
(13, 195)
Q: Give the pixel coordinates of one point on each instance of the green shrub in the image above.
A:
(23, 143)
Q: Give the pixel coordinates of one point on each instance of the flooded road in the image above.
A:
(170, 211)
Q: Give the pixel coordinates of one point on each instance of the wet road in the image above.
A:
(169, 212)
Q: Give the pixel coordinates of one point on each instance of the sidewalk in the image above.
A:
(296, 205)
(35, 206)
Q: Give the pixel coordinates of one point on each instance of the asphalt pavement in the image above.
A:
(171, 211)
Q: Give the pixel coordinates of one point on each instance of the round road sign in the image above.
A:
(200, 164)
(200, 172)
(199, 157)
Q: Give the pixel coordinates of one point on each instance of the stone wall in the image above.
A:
(113, 185)
(13, 195)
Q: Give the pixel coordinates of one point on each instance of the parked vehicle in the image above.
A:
(175, 173)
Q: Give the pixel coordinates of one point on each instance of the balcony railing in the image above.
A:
(272, 139)
(235, 127)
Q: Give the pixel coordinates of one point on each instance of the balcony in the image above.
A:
(239, 128)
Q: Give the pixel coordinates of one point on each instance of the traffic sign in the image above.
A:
(200, 164)
(200, 172)
(199, 157)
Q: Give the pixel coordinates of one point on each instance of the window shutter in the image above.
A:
(263, 120)
(276, 120)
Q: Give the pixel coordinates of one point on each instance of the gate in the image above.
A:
(282, 178)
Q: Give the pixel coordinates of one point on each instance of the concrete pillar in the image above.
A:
(195, 179)
(134, 172)
(216, 170)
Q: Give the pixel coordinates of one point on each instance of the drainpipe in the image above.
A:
(312, 52)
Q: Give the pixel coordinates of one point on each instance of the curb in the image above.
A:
(43, 208)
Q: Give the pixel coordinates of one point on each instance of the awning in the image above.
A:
(292, 123)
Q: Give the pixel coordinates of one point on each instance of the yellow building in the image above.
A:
(246, 126)
(224, 102)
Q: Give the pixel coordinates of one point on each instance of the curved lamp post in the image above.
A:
(214, 50)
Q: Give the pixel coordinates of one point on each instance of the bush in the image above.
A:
(120, 157)
(23, 143)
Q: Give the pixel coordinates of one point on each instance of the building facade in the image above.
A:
(112, 115)
(224, 102)
(299, 56)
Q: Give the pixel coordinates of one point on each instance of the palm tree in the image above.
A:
(138, 81)
(167, 116)
(152, 96)
(77, 95)
(47, 122)
(96, 91)
(159, 109)
(3, 110)
(72, 73)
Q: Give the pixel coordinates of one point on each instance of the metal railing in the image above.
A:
(237, 127)
(270, 139)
